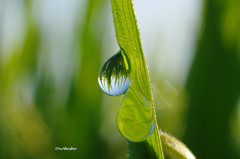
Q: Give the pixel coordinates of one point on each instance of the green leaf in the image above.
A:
(174, 149)
(137, 106)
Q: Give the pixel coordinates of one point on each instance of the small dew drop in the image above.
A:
(113, 76)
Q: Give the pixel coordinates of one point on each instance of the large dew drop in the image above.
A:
(114, 75)
(134, 119)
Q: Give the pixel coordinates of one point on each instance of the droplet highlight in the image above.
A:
(113, 76)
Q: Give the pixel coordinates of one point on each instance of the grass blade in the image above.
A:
(128, 38)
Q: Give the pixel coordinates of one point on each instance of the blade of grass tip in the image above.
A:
(128, 38)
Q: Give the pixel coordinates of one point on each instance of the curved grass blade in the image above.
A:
(128, 38)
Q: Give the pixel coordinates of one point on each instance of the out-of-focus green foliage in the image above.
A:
(31, 127)
(21, 124)
(84, 103)
(213, 85)
(35, 117)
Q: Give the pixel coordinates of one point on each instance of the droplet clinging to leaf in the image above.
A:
(114, 75)
(135, 121)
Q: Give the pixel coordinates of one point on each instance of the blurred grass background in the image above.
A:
(50, 55)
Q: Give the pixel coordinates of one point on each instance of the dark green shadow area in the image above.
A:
(141, 150)
(213, 88)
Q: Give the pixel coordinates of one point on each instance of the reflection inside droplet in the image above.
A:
(113, 76)
(117, 87)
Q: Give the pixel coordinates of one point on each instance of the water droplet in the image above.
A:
(114, 75)
(135, 122)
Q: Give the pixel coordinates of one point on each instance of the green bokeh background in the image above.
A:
(40, 110)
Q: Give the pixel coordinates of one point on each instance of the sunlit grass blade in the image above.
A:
(138, 100)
